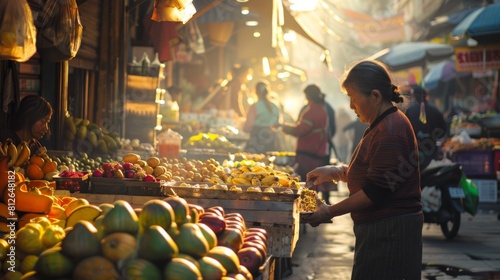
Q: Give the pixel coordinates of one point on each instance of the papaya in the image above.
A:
(156, 212)
(81, 133)
(191, 240)
(121, 218)
(102, 147)
(27, 201)
(92, 137)
(211, 269)
(227, 258)
(131, 157)
(70, 125)
(52, 264)
(156, 245)
(141, 269)
(81, 241)
(181, 269)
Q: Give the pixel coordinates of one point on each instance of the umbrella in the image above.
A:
(412, 54)
(483, 25)
(443, 71)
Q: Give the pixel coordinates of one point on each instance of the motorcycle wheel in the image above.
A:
(450, 227)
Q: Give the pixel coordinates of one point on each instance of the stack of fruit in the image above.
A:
(82, 135)
(163, 239)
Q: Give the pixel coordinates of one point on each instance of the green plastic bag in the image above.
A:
(471, 200)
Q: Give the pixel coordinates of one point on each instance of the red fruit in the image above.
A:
(254, 238)
(260, 235)
(256, 229)
(216, 209)
(216, 223)
(108, 174)
(235, 214)
(118, 166)
(149, 178)
(129, 174)
(128, 166)
(262, 249)
(231, 238)
(236, 225)
(107, 166)
(250, 258)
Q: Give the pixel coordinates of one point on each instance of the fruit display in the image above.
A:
(82, 135)
(19, 155)
(163, 239)
(210, 141)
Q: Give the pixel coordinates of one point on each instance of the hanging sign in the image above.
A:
(477, 58)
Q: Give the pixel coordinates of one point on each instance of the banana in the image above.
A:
(4, 148)
(241, 181)
(256, 182)
(11, 152)
(2, 153)
(23, 154)
(284, 181)
(269, 180)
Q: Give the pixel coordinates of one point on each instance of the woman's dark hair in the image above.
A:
(314, 93)
(369, 75)
(32, 109)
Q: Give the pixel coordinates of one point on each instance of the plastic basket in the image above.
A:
(80, 184)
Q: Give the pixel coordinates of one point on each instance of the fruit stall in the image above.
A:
(233, 198)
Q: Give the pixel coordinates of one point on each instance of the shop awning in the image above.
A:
(446, 23)
(483, 25)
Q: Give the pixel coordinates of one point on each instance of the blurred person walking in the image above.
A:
(428, 124)
(383, 181)
(261, 123)
(314, 135)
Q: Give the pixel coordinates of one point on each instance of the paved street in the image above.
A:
(326, 252)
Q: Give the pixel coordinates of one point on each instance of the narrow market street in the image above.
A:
(326, 252)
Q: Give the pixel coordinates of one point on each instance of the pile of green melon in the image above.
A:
(165, 239)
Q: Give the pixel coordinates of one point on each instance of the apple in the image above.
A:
(231, 238)
(215, 222)
(262, 249)
(251, 258)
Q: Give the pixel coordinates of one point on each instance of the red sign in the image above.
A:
(477, 58)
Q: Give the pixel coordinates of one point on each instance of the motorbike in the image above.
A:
(447, 205)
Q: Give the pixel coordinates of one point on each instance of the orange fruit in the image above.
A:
(34, 172)
(37, 160)
(49, 166)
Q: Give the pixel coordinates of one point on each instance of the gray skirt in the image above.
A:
(389, 249)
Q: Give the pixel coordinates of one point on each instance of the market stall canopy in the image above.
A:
(413, 54)
(483, 25)
(443, 71)
(446, 23)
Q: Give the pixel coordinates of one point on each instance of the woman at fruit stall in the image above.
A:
(311, 130)
(262, 119)
(30, 122)
(382, 178)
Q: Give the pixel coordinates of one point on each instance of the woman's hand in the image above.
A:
(321, 215)
(327, 173)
